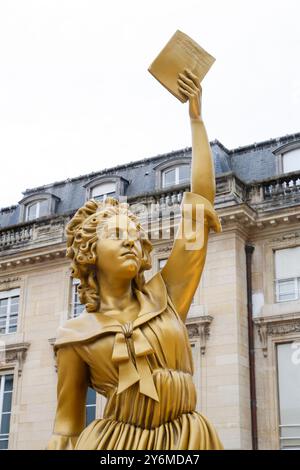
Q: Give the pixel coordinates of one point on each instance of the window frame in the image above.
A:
(9, 294)
(280, 426)
(90, 405)
(73, 302)
(280, 153)
(278, 281)
(2, 392)
(34, 203)
(177, 170)
(28, 201)
(169, 165)
(121, 185)
(104, 195)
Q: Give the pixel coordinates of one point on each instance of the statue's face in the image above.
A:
(119, 249)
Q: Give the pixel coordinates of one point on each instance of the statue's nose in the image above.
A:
(129, 242)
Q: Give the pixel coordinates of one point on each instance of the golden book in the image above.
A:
(180, 52)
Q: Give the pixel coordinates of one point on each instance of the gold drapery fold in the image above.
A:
(136, 368)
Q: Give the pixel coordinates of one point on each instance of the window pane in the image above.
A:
(76, 307)
(289, 393)
(169, 177)
(291, 161)
(9, 314)
(287, 263)
(91, 397)
(90, 414)
(14, 308)
(3, 444)
(43, 209)
(102, 197)
(7, 401)
(162, 262)
(12, 328)
(184, 173)
(104, 188)
(32, 211)
(8, 383)
(287, 290)
(3, 303)
(5, 421)
(91, 405)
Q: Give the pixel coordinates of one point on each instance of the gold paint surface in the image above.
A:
(180, 52)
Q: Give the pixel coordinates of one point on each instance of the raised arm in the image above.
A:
(203, 175)
(71, 397)
(184, 267)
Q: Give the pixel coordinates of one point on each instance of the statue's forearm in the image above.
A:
(203, 175)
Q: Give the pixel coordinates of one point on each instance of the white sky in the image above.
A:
(76, 96)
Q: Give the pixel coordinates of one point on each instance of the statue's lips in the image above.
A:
(129, 253)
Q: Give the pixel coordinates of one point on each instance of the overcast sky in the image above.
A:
(76, 96)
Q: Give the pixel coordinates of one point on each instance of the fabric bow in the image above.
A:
(130, 373)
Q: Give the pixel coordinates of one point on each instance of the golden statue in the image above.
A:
(131, 344)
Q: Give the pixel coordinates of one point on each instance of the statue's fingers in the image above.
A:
(185, 86)
(193, 77)
(185, 92)
(187, 80)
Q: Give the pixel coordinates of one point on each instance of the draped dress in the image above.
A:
(144, 368)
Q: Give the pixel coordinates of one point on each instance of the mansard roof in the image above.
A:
(249, 163)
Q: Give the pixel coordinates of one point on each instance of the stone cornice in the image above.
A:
(244, 216)
(31, 258)
(276, 325)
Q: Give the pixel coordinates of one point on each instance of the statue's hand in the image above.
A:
(189, 86)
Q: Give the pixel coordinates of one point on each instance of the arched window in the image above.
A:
(175, 175)
(106, 186)
(172, 173)
(38, 205)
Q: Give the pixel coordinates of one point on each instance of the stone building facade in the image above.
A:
(244, 323)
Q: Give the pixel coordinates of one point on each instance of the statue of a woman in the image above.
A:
(131, 343)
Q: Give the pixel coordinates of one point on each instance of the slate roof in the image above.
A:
(248, 163)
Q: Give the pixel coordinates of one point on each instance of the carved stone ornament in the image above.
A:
(13, 355)
(199, 328)
(275, 326)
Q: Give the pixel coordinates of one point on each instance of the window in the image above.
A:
(36, 210)
(175, 175)
(291, 161)
(6, 388)
(103, 190)
(162, 263)
(289, 393)
(287, 274)
(76, 307)
(90, 413)
(9, 310)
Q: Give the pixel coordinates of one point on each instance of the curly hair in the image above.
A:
(82, 236)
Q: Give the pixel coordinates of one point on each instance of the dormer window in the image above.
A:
(291, 161)
(37, 205)
(288, 158)
(103, 190)
(172, 173)
(106, 186)
(176, 175)
(36, 210)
